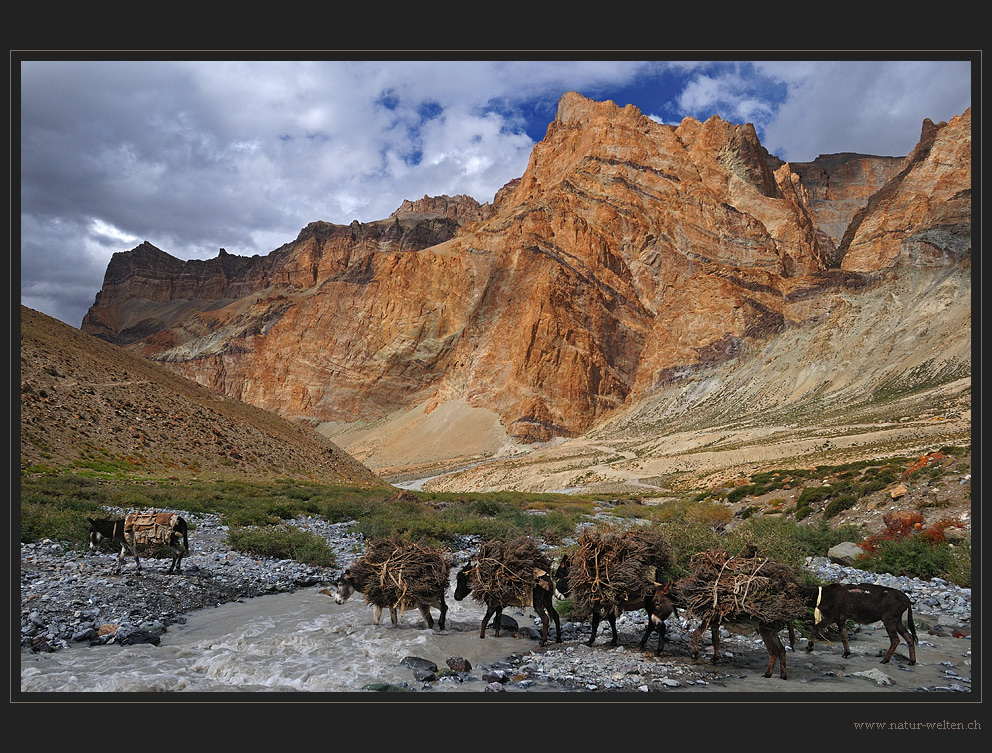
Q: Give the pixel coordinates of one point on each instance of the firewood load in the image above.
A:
(725, 589)
(145, 528)
(397, 573)
(613, 566)
(506, 572)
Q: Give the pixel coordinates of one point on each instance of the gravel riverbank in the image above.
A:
(72, 600)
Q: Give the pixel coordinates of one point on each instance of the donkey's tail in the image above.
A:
(912, 626)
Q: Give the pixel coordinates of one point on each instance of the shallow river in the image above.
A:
(300, 642)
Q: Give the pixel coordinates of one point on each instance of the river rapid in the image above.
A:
(259, 628)
(291, 642)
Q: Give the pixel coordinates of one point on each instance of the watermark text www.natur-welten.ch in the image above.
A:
(941, 725)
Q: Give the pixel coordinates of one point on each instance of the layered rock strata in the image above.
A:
(629, 257)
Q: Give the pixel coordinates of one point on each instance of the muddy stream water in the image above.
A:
(300, 642)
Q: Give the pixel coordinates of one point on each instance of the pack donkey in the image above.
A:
(864, 603)
(660, 607)
(349, 584)
(769, 632)
(541, 598)
(658, 611)
(136, 529)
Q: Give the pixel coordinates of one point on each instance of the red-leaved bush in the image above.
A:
(900, 525)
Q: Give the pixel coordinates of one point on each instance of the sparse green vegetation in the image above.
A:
(913, 557)
(837, 505)
(55, 506)
(906, 547)
(283, 542)
(771, 536)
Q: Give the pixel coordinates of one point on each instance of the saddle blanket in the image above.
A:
(149, 527)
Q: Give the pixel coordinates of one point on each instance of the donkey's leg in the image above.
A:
(545, 621)
(425, 612)
(556, 617)
(893, 642)
(595, 626)
(776, 651)
(612, 617)
(662, 628)
(650, 629)
(126, 547)
(842, 624)
(498, 620)
(179, 550)
(909, 641)
(490, 611)
(696, 635)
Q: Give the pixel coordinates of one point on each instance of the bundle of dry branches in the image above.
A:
(614, 565)
(506, 571)
(726, 588)
(395, 572)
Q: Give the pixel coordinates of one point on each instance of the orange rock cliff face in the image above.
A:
(628, 256)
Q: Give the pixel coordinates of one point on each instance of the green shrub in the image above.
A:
(64, 521)
(674, 509)
(786, 541)
(812, 494)
(282, 542)
(772, 536)
(959, 571)
(553, 526)
(565, 609)
(910, 556)
(488, 507)
(839, 503)
(955, 451)
(249, 516)
(738, 493)
(817, 539)
(341, 510)
(686, 539)
(766, 477)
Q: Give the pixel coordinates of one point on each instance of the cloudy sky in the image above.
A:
(193, 156)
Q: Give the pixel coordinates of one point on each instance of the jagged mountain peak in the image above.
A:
(631, 262)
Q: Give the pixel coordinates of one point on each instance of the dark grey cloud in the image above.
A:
(870, 107)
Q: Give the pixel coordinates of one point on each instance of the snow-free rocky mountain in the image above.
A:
(645, 301)
(88, 404)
